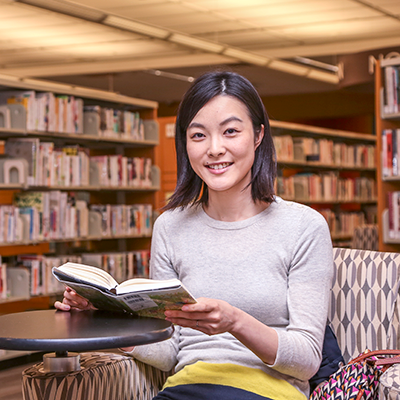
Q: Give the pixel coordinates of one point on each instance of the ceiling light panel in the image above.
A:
(334, 16)
(134, 26)
(289, 67)
(56, 29)
(341, 29)
(145, 11)
(246, 56)
(196, 43)
(69, 8)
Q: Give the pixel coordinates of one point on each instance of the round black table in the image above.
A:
(61, 332)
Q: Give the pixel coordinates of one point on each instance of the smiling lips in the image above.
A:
(218, 166)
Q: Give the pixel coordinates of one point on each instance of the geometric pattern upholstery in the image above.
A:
(363, 312)
(389, 383)
(365, 237)
(103, 376)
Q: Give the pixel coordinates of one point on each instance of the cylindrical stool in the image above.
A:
(389, 384)
(103, 376)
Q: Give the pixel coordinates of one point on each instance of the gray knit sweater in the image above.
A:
(276, 266)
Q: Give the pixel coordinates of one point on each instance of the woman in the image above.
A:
(260, 267)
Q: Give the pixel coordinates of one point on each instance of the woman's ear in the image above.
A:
(259, 136)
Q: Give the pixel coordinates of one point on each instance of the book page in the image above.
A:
(89, 274)
(140, 284)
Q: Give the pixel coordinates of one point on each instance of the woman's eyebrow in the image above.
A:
(224, 122)
(230, 119)
(195, 125)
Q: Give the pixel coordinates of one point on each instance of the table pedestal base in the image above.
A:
(103, 376)
(61, 362)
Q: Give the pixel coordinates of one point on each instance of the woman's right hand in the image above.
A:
(73, 301)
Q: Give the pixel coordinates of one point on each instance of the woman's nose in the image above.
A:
(216, 148)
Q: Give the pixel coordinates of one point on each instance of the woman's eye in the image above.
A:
(197, 135)
(231, 131)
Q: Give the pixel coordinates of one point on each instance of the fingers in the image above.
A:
(209, 316)
(62, 306)
(72, 300)
(202, 305)
(127, 349)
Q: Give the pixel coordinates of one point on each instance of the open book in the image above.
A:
(145, 297)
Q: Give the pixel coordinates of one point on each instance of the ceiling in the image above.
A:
(120, 44)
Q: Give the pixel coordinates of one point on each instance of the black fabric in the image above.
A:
(331, 359)
(205, 391)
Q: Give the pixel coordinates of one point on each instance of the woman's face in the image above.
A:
(221, 144)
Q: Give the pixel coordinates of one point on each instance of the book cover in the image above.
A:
(144, 297)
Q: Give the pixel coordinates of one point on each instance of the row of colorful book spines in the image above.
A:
(390, 153)
(47, 112)
(119, 220)
(316, 146)
(391, 88)
(54, 113)
(63, 167)
(119, 122)
(120, 171)
(318, 189)
(343, 222)
(75, 170)
(122, 266)
(328, 180)
(366, 158)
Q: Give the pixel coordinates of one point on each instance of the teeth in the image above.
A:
(218, 166)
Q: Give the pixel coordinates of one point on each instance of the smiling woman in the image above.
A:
(223, 108)
(257, 329)
(221, 144)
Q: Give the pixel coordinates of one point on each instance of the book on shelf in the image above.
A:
(390, 152)
(391, 89)
(3, 280)
(121, 265)
(144, 297)
(27, 148)
(394, 214)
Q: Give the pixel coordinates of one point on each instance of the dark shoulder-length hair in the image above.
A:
(190, 189)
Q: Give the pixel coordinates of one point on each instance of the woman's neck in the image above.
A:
(228, 207)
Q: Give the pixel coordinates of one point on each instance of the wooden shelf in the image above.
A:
(334, 134)
(4, 186)
(319, 165)
(308, 201)
(81, 138)
(384, 184)
(9, 81)
(75, 239)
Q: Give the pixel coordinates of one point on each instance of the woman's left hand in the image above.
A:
(209, 316)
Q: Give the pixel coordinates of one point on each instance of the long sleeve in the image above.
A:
(161, 355)
(309, 284)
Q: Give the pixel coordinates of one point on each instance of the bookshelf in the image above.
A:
(130, 136)
(387, 115)
(331, 170)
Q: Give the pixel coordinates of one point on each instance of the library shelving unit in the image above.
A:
(337, 177)
(291, 165)
(387, 115)
(97, 145)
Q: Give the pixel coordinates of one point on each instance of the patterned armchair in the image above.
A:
(363, 314)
